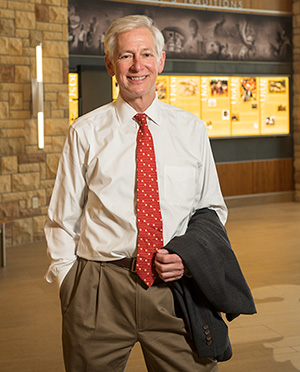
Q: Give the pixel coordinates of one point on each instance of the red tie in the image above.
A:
(149, 221)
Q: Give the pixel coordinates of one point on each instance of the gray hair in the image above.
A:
(129, 23)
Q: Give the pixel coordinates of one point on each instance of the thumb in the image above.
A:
(163, 251)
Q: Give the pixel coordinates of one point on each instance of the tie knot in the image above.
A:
(141, 119)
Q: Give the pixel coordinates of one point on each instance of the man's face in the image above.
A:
(136, 66)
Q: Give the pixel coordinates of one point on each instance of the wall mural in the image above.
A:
(189, 34)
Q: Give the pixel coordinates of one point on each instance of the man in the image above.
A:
(102, 222)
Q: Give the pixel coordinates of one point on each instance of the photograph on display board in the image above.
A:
(162, 88)
(188, 33)
(274, 101)
(215, 105)
(245, 106)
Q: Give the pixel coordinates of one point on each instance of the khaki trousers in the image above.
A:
(107, 309)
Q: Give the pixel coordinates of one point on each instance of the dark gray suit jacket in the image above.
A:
(216, 285)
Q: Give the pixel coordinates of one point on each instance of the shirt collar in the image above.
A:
(125, 112)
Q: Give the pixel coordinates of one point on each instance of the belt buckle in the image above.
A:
(133, 265)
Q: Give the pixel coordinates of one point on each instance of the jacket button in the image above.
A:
(206, 326)
(209, 342)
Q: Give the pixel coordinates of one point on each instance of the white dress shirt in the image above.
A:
(92, 213)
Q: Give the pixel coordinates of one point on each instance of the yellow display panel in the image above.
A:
(215, 102)
(185, 93)
(274, 105)
(229, 105)
(73, 97)
(245, 118)
(115, 88)
(163, 88)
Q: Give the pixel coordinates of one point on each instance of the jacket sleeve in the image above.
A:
(206, 251)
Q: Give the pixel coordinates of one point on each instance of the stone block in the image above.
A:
(7, 27)
(21, 5)
(23, 34)
(42, 13)
(25, 181)
(3, 96)
(27, 168)
(58, 49)
(56, 126)
(9, 210)
(9, 164)
(12, 133)
(31, 132)
(48, 184)
(42, 171)
(20, 114)
(52, 35)
(39, 223)
(58, 14)
(22, 74)
(25, 20)
(55, 88)
(35, 38)
(51, 165)
(4, 45)
(16, 100)
(22, 231)
(4, 123)
(63, 100)
(58, 113)
(13, 196)
(5, 183)
(53, 71)
(52, 2)
(15, 46)
(29, 212)
(4, 110)
(50, 96)
(58, 143)
(44, 26)
(6, 13)
(32, 158)
(7, 73)
(11, 146)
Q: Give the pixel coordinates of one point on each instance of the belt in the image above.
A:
(128, 263)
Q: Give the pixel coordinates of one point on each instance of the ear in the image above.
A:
(161, 63)
(109, 66)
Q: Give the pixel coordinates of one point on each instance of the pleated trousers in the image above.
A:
(106, 309)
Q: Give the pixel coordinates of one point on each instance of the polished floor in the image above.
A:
(266, 239)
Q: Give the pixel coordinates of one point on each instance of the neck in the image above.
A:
(140, 104)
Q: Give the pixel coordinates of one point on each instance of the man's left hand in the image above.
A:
(169, 266)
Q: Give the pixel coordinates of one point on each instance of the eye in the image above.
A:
(148, 55)
(125, 56)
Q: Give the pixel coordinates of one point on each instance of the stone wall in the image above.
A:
(296, 94)
(26, 172)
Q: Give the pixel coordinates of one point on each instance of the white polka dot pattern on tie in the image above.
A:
(150, 236)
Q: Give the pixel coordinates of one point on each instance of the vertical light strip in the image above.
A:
(39, 63)
(40, 119)
(39, 79)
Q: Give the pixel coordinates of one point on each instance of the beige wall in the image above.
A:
(27, 173)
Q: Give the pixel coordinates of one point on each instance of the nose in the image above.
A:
(136, 63)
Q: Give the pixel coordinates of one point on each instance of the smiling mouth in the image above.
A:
(137, 78)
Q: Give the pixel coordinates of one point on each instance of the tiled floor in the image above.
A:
(266, 240)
